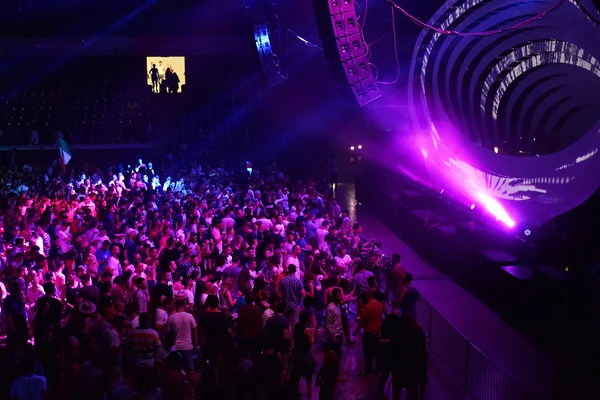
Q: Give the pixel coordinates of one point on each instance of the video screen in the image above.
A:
(165, 74)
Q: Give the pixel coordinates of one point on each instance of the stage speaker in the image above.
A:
(345, 50)
(268, 59)
(265, 27)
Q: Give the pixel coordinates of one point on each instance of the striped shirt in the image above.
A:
(143, 341)
(46, 240)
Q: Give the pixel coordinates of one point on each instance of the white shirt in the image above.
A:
(33, 295)
(266, 224)
(293, 261)
(266, 315)
(182, 324)
(161, 317)
(343, 262)
(216, 234)
(187, 294)
(228, 222)
(115, 266)
(39, 242)
(318, 282)
(321, 233)
(63, 241)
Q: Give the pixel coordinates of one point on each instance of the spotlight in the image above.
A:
(352, 148)
(527, 232)
(442, 192)
(496, 209)
(496, 150)
(360, 146)
(424, 153)
(472, 206)
(359, 158)
(351, 159)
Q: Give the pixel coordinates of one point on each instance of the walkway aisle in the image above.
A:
(481, 326)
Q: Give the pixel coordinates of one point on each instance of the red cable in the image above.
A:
(485, 33)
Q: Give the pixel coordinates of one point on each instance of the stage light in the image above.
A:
(424, 153)
(351, 159)
(461, 148)
(359, 158)
(442, 191)
(472, 206)
(496, 209)
(527, 232)
(360, 146)
(352, 148)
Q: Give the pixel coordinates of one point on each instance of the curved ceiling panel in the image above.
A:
(532, 91)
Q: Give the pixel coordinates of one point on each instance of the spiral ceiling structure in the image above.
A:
(532, 95)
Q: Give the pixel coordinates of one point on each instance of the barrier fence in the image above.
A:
(475, 374)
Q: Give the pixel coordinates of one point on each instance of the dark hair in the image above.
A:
(212, 301)
(49, 288)
(336, 291)
(274, 299)
(139, 281)
(281, 307)
(408, 278)
(144, 320)
(371, 281)
(291, 269)
(303, 317)
(180, 303)
(395, 258)
(249, 298)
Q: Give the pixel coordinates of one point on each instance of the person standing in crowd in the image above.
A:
(333, 326)
(409, 296)
(142, 343)
(231, 260)
(396, 278)
(292, 293)
(182, 326)
(403, 355)
(302, 360)
(113, 261)
(371, 321)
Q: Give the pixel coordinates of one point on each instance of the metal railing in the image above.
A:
(475, 374)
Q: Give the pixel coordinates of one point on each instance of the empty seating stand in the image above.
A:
(85, 114)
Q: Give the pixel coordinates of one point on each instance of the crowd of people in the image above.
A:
(229, 283)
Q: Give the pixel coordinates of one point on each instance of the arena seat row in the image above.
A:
(86, 113)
